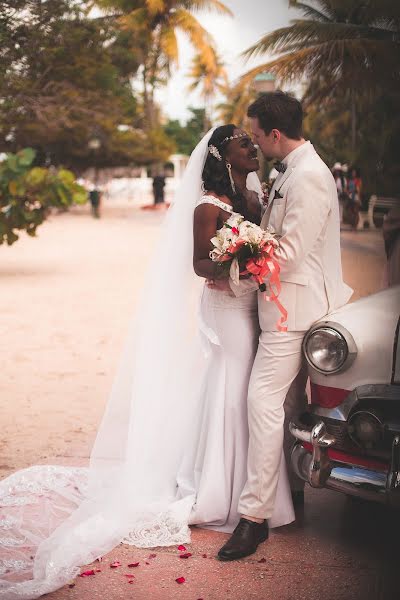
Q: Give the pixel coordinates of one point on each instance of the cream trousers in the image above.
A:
(277, 365)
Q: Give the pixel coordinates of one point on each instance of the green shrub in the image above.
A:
(27, 193)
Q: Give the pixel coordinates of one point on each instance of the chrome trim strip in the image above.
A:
(393, 483)
(396, 357)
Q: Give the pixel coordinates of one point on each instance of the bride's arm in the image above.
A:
(205, 225)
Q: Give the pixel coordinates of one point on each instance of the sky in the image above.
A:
(251, 20)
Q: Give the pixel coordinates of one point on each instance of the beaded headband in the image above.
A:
(234, 137)
(214, 150)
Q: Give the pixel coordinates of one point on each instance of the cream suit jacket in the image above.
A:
(306, 216)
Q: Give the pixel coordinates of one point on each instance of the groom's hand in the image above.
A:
(219, 284)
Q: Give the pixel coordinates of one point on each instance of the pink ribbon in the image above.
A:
(266, 266)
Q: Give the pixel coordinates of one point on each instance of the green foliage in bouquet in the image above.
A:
(27, 193)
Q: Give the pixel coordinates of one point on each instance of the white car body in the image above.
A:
(350, 438)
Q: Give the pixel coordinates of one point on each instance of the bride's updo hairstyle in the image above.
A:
(215, 174)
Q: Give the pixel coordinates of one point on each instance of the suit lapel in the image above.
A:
(279, 181)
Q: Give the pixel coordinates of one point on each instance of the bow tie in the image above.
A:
(280, 166)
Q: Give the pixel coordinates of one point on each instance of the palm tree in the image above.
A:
(155, 24)
(209, 75)
(345, 48)
(234, 108)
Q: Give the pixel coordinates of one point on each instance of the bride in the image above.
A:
(171, 449)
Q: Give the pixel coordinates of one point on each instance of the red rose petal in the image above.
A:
(133, 564)
(98, 570)
(146, 563)
(115, 565)
(186, 555)
(204, 555)
(129, 575)
(262, 560)
(131, 581)
(87, 573)
(180, 580)
(152, 555)
(182, 548)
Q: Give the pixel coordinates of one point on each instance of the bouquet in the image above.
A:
(243, 249)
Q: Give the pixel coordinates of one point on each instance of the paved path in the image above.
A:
(65, 303)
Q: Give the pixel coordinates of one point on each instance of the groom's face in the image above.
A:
(267, 142)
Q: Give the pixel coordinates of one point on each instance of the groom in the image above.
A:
(303, 210)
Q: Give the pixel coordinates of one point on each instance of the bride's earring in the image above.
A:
(229, 167)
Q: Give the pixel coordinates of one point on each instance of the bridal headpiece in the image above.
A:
(214, 151)
(234, 137)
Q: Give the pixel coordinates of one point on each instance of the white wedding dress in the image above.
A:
(171, 449)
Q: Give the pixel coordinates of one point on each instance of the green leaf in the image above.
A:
(11, 237)
(80, 196)
(66, 176)
(26, 156)
(36, 176)
(12, 162)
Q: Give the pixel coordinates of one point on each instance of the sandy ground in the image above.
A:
(66, 300)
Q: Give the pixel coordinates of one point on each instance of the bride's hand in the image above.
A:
(221, 285)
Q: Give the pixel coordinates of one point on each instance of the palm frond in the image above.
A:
(190, 26)
(206, 5)
(313, 13)
(169, 44)
(307, 32)
(329, 7)
(136, 19)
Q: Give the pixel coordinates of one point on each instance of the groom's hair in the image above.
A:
(278, 110)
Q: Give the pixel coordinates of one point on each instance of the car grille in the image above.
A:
(343, 441)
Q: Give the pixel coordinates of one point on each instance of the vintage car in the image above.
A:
(349, 440)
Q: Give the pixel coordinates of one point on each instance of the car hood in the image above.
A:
(372, 321)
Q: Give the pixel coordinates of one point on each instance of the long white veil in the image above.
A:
(55, 519)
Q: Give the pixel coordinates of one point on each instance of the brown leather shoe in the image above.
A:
(244, 540)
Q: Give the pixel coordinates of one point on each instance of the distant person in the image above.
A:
(354, 185)
(391, 236)
(337, 173)
(352, 204)
(340, 182)
(158, 188)
(95, 198)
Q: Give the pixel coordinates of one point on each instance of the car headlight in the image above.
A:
(329, 347)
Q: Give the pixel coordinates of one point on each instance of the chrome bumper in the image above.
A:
(319, 470)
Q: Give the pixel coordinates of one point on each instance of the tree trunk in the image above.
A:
(146, 99)
(353, 125)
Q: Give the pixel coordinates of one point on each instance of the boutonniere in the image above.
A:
(266, 190)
